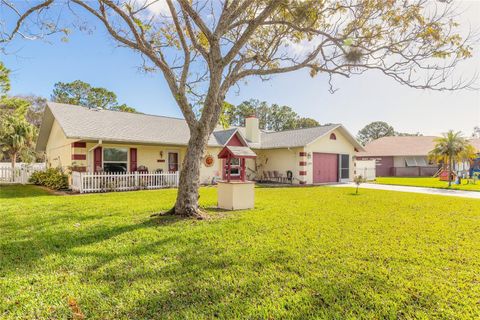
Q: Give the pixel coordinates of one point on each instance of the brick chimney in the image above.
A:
(252, 130)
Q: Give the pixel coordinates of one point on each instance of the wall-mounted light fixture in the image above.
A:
(309, 155)
(161, 154)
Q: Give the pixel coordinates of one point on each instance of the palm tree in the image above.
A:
(452, 146)
(16, 138)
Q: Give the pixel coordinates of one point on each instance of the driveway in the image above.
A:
(441, 192)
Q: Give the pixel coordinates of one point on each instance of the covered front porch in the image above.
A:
(102, 157)
(98, 166)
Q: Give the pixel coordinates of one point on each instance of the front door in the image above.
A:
(172, 161)
(325, 167)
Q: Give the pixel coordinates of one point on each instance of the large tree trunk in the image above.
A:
(187, 197)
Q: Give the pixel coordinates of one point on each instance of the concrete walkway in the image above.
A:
(441, 192)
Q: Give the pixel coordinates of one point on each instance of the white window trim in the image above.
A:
(127, 161)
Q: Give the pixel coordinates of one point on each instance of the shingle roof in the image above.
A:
(294, 138)
(223, 136)
(237, 151)
(114, 126)
(400, 146)
(89, 124)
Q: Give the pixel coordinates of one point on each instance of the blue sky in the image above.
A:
(95, 59)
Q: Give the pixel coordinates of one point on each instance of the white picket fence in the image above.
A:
(21, 174)
(86, 182)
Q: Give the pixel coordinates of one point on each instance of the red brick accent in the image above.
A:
(79, 169)
(302, 154)
(302, 163)
(79, 157)
(79, 144)
(303, 182)
(161, 160)
(303, 173)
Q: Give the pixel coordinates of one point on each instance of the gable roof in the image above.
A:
(303, 137)
(90, 124)
(399, 146)
(114, 126)
(299, 137)
(237, 151)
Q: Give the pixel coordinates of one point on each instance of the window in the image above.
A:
(333, 136)
(410, 162)
(172, 161)
(234, 167)
(421, 161)
(415, 162)
(115, 159)
(344, 166)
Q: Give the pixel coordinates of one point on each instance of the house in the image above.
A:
(403, 156)
(91, 140)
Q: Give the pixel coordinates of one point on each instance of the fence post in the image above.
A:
(80, 179)
(176, 178)
(136, 179)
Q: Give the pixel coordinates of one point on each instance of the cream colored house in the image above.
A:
(89, 140)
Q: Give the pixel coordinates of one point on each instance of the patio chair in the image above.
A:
(289, 177)
(277, 176)
(142, 169)
(270, 176)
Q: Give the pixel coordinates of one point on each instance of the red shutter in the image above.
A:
(133, 159)
(97, 159)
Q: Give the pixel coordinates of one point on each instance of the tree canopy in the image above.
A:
(19, 121)
(271, 117)
(84, 94)
(380, 129)
(476, 132)
(4, 80)
(17, 138)
(374, 131)
(204, 48)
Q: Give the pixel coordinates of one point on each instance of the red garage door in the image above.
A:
(325, 167)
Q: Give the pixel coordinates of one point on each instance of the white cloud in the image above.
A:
(155, 7)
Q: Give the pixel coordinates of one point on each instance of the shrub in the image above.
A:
(52, 178)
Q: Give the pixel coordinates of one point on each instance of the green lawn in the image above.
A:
(427, 182)
(301, 253)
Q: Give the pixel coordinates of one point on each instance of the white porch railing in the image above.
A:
(19, 174)
(86, 182)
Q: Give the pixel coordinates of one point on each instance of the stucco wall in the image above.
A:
(325, 145)
(59, 149)
(281, 160)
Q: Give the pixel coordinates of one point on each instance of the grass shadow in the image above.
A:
(8, 191)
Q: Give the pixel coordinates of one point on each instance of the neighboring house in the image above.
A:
(82, 139)
(401, 156)
(404, 156)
